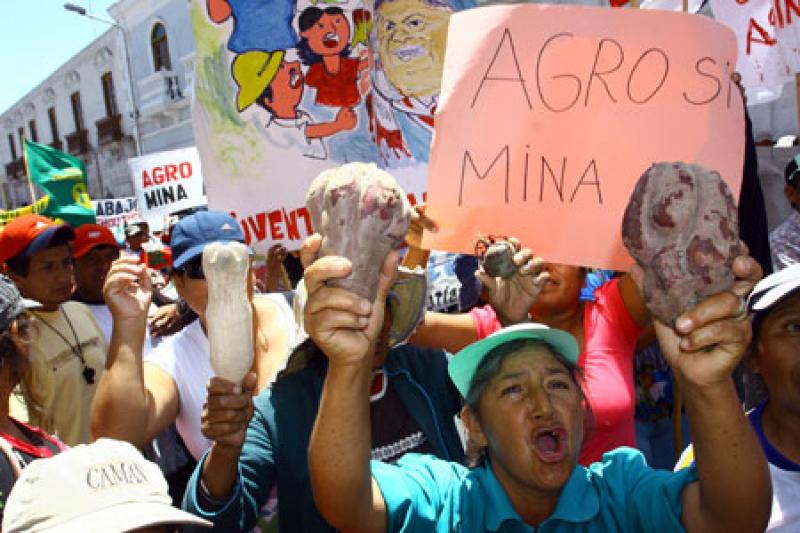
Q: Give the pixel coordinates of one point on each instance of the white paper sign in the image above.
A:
(167, 182)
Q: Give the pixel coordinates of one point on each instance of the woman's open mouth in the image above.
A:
(330, 40)
(550, 444)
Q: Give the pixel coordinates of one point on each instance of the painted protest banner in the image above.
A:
(549, 114)
(167, 182)
(285, 89)
(768, 36)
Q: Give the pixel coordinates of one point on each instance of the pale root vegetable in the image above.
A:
(362, 214)
(229, 315)
(681, 227)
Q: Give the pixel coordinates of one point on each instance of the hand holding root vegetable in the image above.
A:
(361, 213)
(681, 227)
(512, 297)
(342, 324)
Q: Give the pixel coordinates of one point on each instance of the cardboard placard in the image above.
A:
(549, 115)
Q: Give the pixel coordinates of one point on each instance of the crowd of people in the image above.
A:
(514, 403)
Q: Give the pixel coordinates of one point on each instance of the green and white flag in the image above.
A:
(63, 178)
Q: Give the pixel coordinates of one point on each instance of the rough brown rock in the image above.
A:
(681, 227)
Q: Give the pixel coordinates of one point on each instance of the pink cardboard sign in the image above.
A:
(549, 114)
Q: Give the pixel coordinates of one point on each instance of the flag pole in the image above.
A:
(27, 171)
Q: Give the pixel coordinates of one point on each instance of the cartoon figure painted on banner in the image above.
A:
(325, 48)
(410, 41)
(288, 126)
(262, 32)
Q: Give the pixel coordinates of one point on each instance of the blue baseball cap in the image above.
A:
(191, 235)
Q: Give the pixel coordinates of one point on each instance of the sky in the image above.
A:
(38, 36)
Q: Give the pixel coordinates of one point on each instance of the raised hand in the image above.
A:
(227, 412)
(342, 324)
(512, 298)
(128, 290)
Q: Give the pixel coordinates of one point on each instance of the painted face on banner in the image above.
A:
(287, 87)
(329, 35)
(411, 42)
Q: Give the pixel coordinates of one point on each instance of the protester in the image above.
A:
(20, 443)
(138, 398)
(104, 486)
(67, 352)
(94, 249)
(785, 239)
(412, 408)
(523, 407)
(774, 364)
(136, 234)
(606, 329)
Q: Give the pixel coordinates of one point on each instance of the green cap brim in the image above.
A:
(463, 366)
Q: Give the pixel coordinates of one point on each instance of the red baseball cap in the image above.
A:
(30, 234)
(90, 236)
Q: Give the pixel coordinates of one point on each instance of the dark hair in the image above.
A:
(9, 350)
(308, 18)
(491, 365)
(20, 264)
(266, 94)
(755, 390)
(195, 264)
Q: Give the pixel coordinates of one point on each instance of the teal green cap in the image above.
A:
(463, 366)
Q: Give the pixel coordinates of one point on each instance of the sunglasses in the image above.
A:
(193, 270)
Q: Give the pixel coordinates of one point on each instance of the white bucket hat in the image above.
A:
(774, 288)
(407, 299)
(105, 486)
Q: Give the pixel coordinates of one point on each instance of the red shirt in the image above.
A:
(335, 90)
(607, 362)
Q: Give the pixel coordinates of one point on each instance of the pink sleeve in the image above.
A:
(486, 321)
(609, 297)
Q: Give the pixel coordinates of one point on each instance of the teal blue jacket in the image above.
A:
(276, 446)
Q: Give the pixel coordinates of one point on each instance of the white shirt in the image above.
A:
(186, 358)
(785, 517)
(102, 314)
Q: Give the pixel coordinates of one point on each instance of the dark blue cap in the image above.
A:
(191, 235)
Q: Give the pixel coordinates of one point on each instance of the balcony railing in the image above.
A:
(109, 129)
(57, 144)
(158, 91)
(15, 169)
(78, 142)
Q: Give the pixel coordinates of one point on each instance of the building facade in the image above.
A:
(83, 108)
(161, 47)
